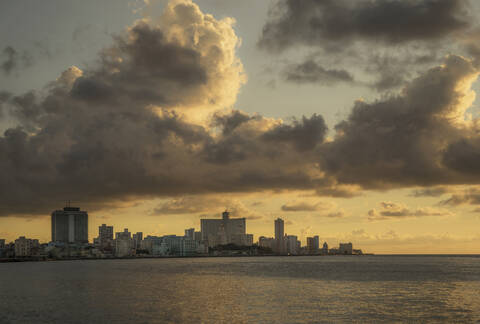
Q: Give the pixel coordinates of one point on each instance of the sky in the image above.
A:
(352, 120)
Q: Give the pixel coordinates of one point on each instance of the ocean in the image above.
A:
(324, 289)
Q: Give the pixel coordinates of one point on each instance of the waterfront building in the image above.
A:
(190, 233)
(223, 231)
(137, 239)
(124, 244)
(345, 248)
(266, 242)
(279, 236)
(151, 244)
(313, 244)
(325, 248)
(70, 225)
(26, 247)
(2, 243)
(197, 236)
(105, 237)
(123, 235)
(292, 244)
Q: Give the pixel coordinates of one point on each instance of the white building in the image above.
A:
(292, 244)
(224, 231)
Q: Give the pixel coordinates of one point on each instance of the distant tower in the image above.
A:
(279, 235)
(70, 225)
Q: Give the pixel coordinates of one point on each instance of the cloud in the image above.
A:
(430, 192)
(154, 118)
(302, 206)
(390, 210)
(384, 40)
(12, 60)
(310, 72)
(402, 140)
(208, 206)
(469, 196)
(333, 24)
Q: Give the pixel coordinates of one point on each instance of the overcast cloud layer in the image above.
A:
(383, 40)
(155, 117)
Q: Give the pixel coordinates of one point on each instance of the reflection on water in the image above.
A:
(241, 290)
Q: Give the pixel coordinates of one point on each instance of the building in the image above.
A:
(197, 236)
(325, 248)
(190, 233)
(222, 231)
(313, 244)
(123, 235)
(2, 243)
(345, 248)
(137, 240)
(279, 236)
(70, 225)
(292, 244)
(26, 247)
(266, 242)
(242, 239)
(124, 245)
(105, 237)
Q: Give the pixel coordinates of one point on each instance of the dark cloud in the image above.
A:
(400, 140)
(469, 196)
(386, 40)
(121, 130)
(310, 72)
(332, 24)
(304, 135)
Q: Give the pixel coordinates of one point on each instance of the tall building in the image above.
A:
(2, 243)
(70, 225)
(124, 243)
(137, 239)
(292, 244)
(224, 231)
(105, 236)
(313, 244)
(279, 236)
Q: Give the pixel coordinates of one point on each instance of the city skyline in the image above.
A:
(154, 115)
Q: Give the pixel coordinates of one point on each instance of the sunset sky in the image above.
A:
(352, 120)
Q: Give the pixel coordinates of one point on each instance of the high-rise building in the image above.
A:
(292, 245)
(313, 244)
(70, 225)
(2, 243)
(105, 236)
(124, 244)
(137, 239)
(279, 236)
(223, 231)
(197, 236)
